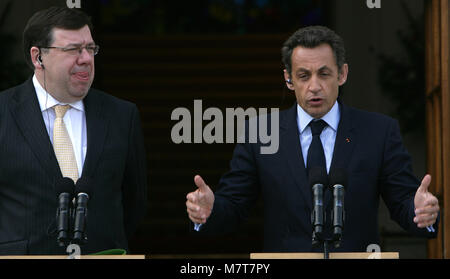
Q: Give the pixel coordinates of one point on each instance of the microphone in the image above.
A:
(338, 180)
(65, 187)
(317, 179)
(82, 198)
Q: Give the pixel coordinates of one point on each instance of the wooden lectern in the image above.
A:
(82, 257)
(374, 255)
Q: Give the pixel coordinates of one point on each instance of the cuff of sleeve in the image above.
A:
(197, 227)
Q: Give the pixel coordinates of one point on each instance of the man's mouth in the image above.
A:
(315, 101)
(83, 76)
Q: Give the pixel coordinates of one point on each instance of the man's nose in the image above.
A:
(85, 57)
(314, 85)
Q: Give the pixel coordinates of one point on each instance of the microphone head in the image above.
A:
(317, 175)
(83, 185)
(65, 185)
(338, 176)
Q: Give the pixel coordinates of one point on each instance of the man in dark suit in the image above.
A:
(366, 145)
(97, 139)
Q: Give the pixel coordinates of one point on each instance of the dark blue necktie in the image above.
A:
(316, 158)
(316, 155)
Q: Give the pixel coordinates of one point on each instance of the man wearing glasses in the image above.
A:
(54, 127)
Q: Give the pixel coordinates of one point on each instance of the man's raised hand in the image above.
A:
(199, 203)
(426, 205)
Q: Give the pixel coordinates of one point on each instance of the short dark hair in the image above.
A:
(311, 37)
(39, 29)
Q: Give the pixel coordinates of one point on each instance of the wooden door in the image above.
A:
(438, 117)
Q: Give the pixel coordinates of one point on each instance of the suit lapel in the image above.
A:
(290, 144)
(28, 116)
(345, 140)
(97, 124)
(343, 148)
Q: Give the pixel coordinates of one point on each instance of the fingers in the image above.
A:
(427, 205)
(425, 184)
(195, 213)
(196, 219)
(428, 211)
(200, 202)
(192, 197)
(192, 207)
(423, 221)
(431, 206)
(199, 195)
(426, 216)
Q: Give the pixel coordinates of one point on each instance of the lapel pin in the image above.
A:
(347, 140)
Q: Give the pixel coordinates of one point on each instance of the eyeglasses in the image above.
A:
(91, 49)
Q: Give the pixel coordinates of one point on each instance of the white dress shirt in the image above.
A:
(327, 137)
(74, 119)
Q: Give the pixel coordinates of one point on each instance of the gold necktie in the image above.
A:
(63, 145)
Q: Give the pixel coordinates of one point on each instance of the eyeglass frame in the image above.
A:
(80, 48)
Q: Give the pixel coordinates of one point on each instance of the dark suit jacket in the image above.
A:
(368, 145)
(115, 164)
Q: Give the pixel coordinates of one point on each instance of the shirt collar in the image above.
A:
(332, 118)
(47, 101)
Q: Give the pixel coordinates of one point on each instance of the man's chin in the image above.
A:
(317, 113)
(81, 85)
(79, 94)
(80, 90)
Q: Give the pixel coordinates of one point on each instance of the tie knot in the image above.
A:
(60, 110)
(317, 126)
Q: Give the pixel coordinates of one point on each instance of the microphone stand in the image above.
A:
(325, 244)
(319, 239)
(326, 252)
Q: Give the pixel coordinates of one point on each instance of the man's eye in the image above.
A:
(72, 50)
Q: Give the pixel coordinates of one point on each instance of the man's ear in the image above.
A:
(343, 74)
(288, 80)
(34, 54)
